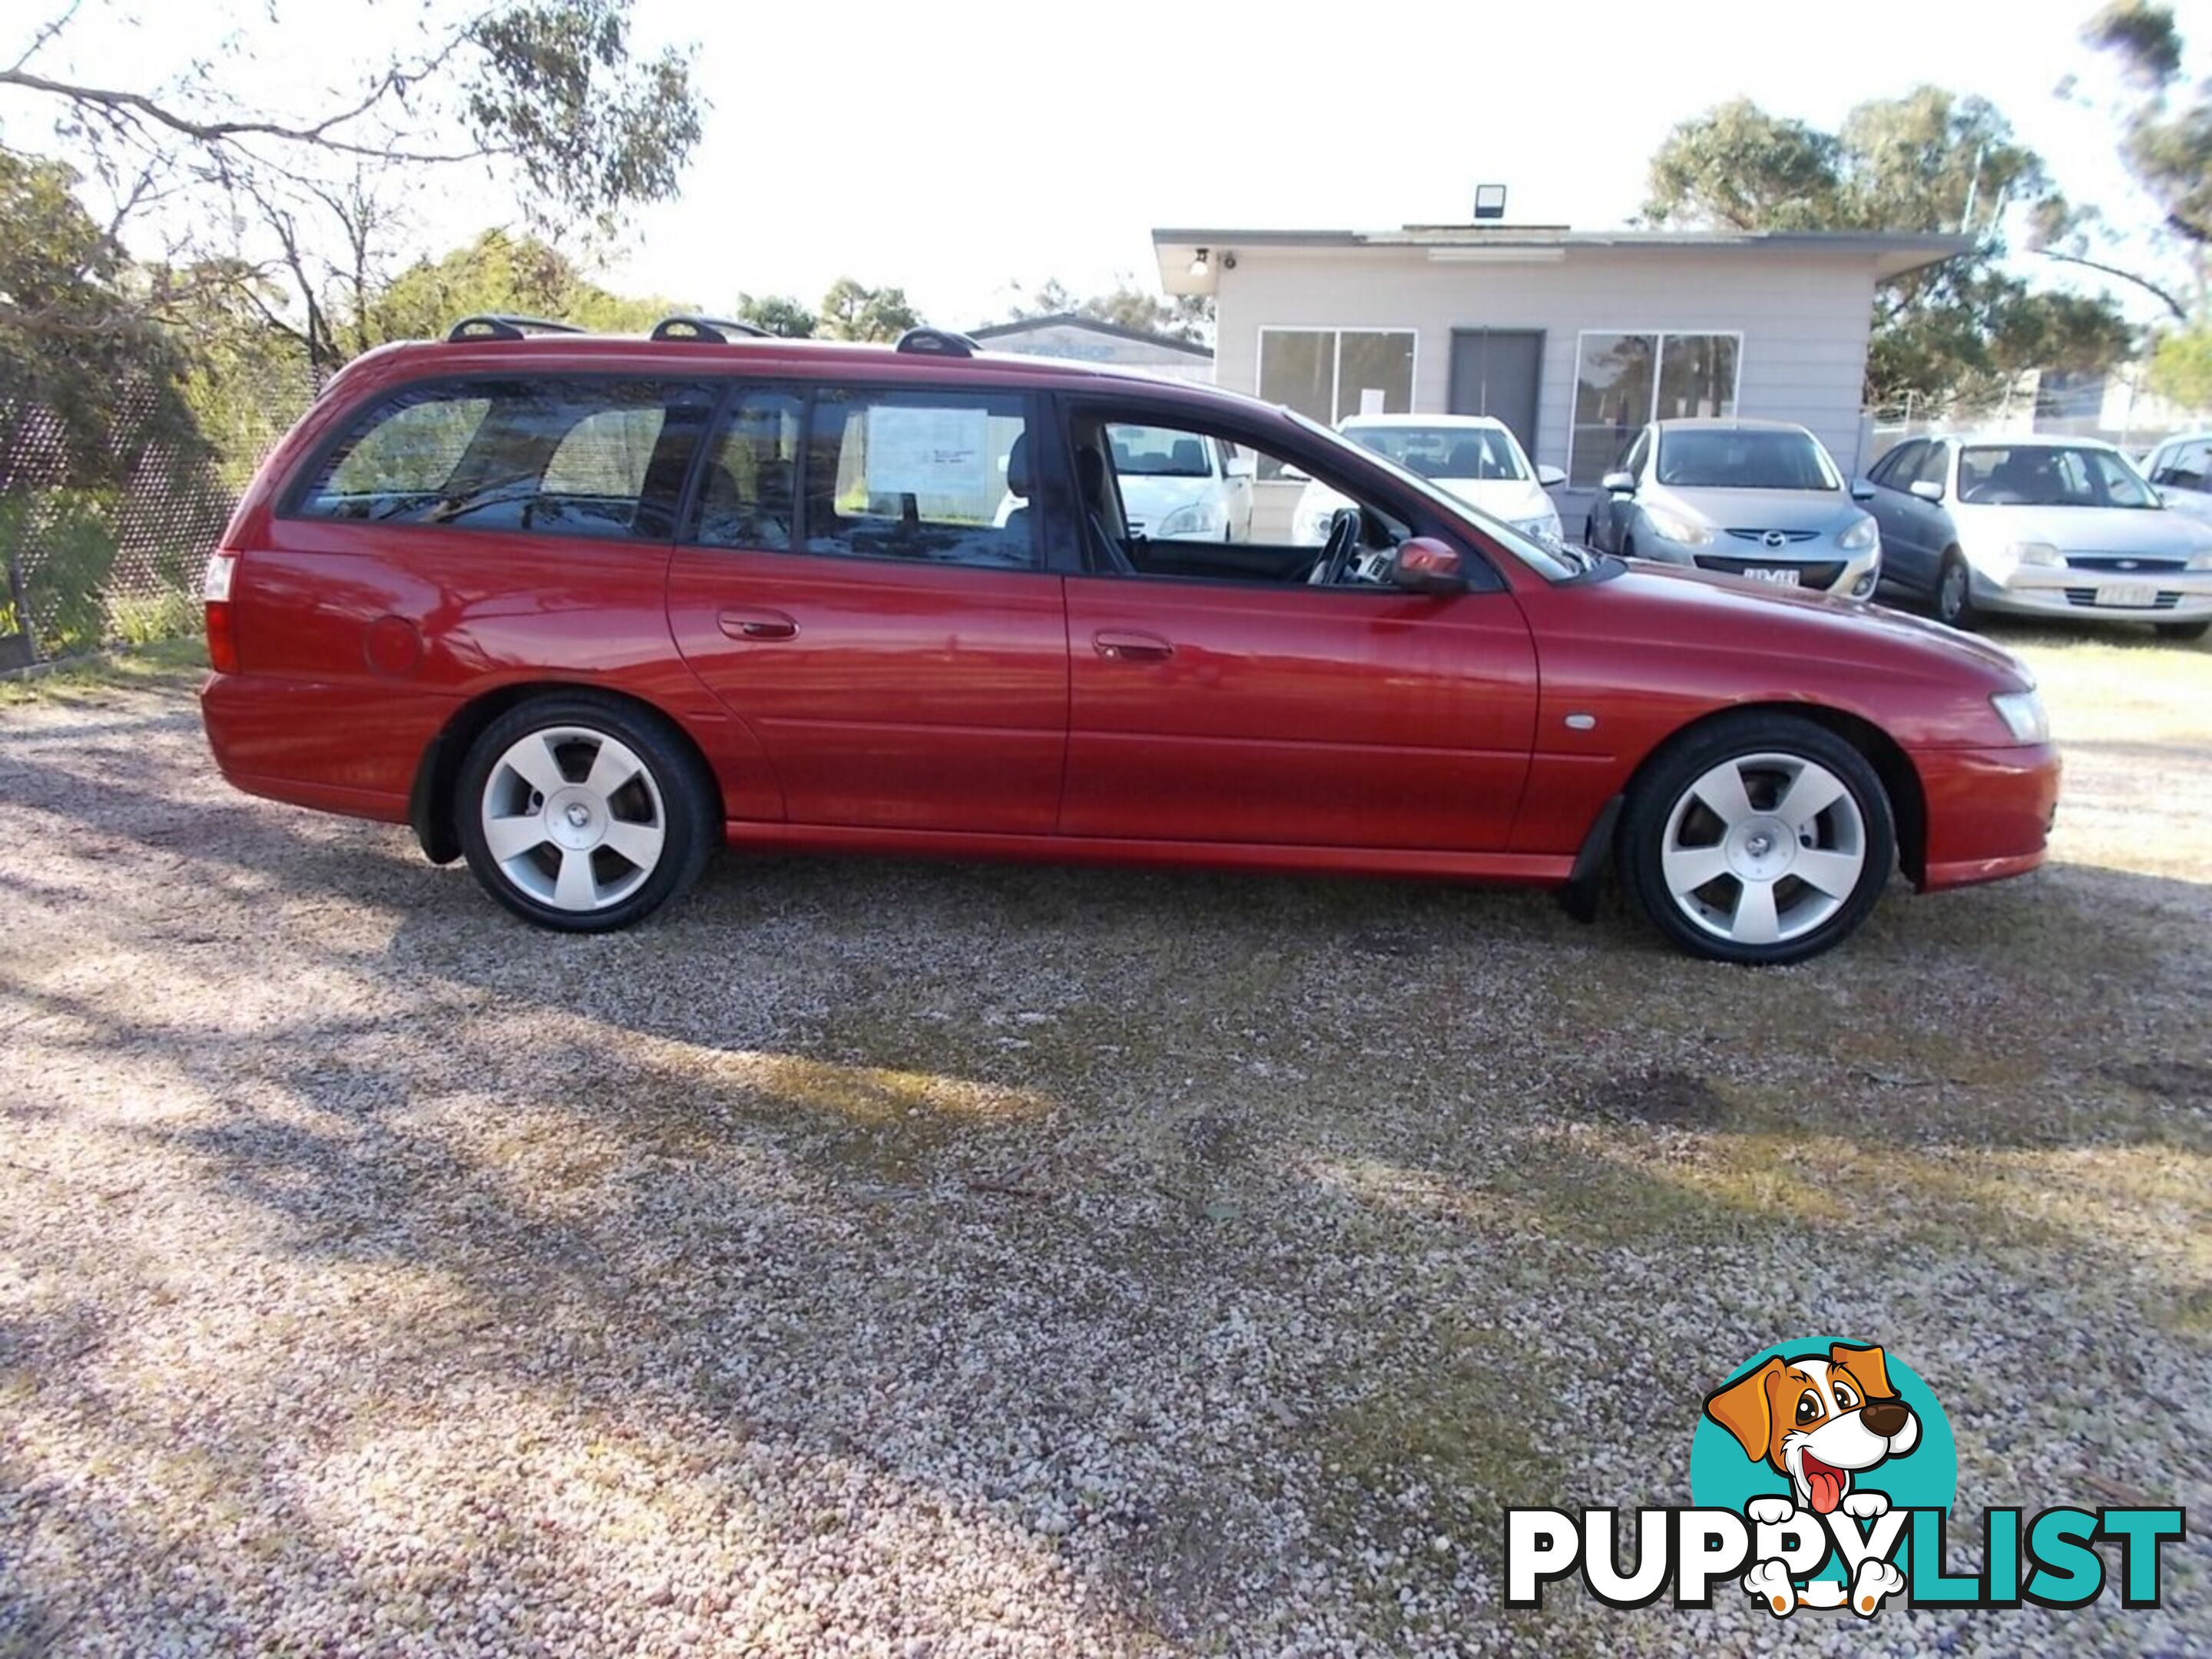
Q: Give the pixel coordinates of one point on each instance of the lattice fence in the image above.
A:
(91, 565)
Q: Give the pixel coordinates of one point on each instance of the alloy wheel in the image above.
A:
(574, 818)
(1763, 849)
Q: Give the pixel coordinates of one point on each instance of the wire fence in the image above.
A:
(92, 564)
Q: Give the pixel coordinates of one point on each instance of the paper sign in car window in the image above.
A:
(930, 452)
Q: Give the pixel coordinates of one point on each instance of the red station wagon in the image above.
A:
(578, 607)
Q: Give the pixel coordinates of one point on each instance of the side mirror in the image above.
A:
(1618, 483)
(1425, 565)
(1928, 489)
(1241, 466)
(1551, 478)
(1861, 489)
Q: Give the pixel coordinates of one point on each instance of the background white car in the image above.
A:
(1473, 457)
(2181, 467)
(1178, 486)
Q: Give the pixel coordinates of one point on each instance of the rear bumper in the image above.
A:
(337, 748)
(1990, 812)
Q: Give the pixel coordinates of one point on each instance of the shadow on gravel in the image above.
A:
(1219, 1237)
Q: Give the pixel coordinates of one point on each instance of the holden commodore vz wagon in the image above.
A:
(578, 608)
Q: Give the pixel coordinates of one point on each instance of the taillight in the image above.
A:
(221, 633)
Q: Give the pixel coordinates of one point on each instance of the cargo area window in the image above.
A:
(549, 456)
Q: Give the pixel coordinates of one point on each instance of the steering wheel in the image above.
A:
(1336, 554)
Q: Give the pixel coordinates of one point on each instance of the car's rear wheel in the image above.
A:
(2184, 631)
(583, 813)
(1954, 592)
(1760, 838)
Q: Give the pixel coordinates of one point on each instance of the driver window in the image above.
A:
(1171, 501)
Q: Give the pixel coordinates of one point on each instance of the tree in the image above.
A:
(90, 381)
(2181, 368)
(851, 311)
(779, 314)
(544, 95)
(499, 272)
(1183, 317)
(1927, 162)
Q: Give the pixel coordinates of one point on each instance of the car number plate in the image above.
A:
(2141, 595)
(1780, 575)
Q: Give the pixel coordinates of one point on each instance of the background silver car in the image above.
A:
(2039, 527)
(1757, 499)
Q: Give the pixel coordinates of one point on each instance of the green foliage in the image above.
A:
(2181, 367)
(91, 380)
(1929, 161)
(75, 531)
(779, 314)
(167, 613)
(1180, 317)
(1738, 167)
(2168, 142)
(852, 312)
(552, 85)
(499, 272)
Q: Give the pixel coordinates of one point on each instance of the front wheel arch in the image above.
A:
(1899, 777)
(431, 806)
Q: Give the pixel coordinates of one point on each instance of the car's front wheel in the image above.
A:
(1954, 592)
(1758, 839)
(583, 813)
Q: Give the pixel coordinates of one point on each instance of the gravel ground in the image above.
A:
(895, 1259)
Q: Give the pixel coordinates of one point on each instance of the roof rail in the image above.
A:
(505, 325)
(938, 342)
(683, 326)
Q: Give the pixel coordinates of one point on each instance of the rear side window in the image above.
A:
(921, 476)
(578, 457)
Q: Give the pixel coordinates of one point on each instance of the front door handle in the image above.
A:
(1131, 645)
(756, 624)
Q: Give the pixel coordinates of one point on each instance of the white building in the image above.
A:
(1574, 338)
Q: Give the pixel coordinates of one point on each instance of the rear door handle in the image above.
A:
(757, 624)
(1130, 645)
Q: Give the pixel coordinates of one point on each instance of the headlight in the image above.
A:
(1198, 519)
(1545, 529)
(2202, 561)
(1312, 526)
(1676, 528)
(2022, 712)
(1860, 537)
(2038, 553)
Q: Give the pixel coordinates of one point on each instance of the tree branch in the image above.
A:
(214, 134)
(46, 32)
(2180, 311)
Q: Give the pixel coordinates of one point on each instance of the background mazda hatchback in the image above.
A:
(578, 608)
(1760, 500)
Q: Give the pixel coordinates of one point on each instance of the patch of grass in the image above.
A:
(140, 619)
(164, 663)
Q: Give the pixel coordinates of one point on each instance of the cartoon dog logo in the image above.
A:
(1822, 1420)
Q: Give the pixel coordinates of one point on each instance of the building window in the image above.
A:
(1327, 374)
(1624, 380)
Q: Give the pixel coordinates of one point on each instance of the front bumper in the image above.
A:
(2041, 591)
(1989, 812)
(1823, 567)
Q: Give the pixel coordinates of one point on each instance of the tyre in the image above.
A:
(2183, 631)
(1759, 839)
(583, 813)
(1954, 592)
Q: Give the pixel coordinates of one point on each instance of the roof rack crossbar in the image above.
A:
(506, 325)
(685, 326)
(938, 342)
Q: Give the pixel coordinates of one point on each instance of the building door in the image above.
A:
(1494, 371)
